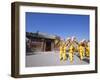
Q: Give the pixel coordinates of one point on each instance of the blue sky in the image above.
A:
(63, 25)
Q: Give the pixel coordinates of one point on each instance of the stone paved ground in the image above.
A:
(50, 59)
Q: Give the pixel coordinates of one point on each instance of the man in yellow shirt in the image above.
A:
(81, 51)
(71, 53)
(64, 52)
(87, 50)
(61, 51)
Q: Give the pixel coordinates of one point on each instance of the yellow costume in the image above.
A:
(81, 52)
(71, 53)
(61, 52)
(87, 51)
(64, 52)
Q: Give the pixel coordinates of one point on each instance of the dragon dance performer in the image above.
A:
(81, 51)
(61, 51)
(71, 53)
(64, 52)
(87, 50)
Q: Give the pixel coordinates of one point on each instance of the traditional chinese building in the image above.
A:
(40, 42)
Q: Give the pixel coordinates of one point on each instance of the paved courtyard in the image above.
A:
(50, 59)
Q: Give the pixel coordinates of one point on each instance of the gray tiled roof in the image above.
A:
(41, 35)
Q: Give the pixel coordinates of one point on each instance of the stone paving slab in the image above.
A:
(50, 59)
